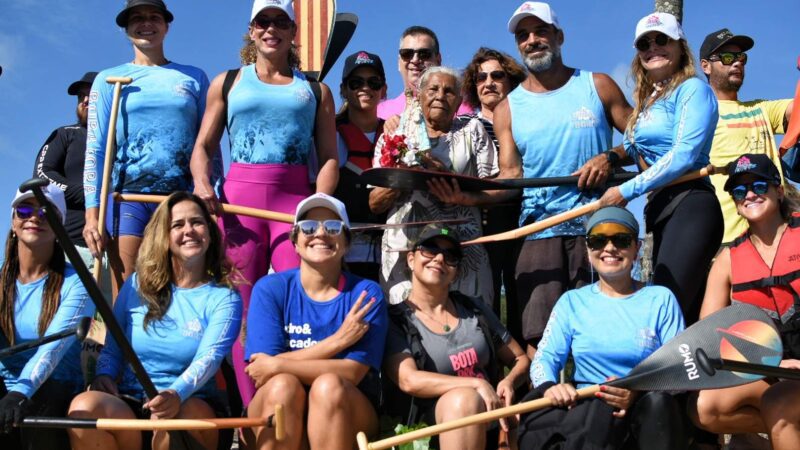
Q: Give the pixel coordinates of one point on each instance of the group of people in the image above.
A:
(404, 323)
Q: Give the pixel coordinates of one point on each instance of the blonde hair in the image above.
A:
(154, 263)
(643, 87)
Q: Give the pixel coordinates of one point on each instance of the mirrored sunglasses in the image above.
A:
(329, 227)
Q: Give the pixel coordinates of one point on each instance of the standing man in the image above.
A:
(60, 161)
(558, 122)
(743, 126)
(419, 49)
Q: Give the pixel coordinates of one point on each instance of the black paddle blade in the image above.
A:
(343, 29)
(739, 332)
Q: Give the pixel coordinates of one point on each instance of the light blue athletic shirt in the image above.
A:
(60, 360)
(288, 319)
(556, 133)
(606, 336)
(184, 349)
(157, 124)
(673, 136)
(270, 123)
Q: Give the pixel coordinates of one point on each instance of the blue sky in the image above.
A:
(47, 44)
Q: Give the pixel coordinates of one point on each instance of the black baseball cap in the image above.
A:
(87, 78)
(721, 37)
(122, 17)
(438, 230)
(757, 164)
(361, 59)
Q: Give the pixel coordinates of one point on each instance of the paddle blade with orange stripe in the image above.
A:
(315, 19)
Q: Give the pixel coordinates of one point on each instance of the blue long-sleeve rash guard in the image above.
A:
(181, 351)
(25, 372)
(673, 136)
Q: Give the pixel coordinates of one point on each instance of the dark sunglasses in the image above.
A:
(25, 212)
(643, 44)
(728, 58)
(329, 227)
(373, 83)
(281, 23)
(497, 75)
(452, 256)
(407, 54)
(739, 192)
(599, 241)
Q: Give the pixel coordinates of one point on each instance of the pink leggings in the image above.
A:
(252, 244)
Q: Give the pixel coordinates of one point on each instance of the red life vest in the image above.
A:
(776, 289)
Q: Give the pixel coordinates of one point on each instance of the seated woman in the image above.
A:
(760, 268)
(608, 328)
(181, 313)
(447, 350)
(316, 337)
(40, 295)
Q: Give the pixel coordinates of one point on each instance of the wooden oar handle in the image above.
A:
(227, 208)
(488, 416)
(120, 80)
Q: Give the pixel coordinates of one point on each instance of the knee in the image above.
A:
(328, 391)
(779, 405)
(282, 388)
(460, 402)
(704, 410)
(195, 408)
(86, 404)
(660, 403)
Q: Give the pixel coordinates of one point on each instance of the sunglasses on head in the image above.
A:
(497, 75)
(329, 227)
(373, 83)
(407, 54)
(644, 43)
(739, 192)
(728, 58)
(599, 241)
(25, 212)
(452, 256)
(281, 23)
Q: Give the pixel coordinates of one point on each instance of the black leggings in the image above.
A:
(52, 399)
(684, 244)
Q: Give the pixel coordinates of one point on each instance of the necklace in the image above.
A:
(444, 325)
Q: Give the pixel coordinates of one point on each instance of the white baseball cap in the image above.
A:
(320, 200)
(54, 195)
(283, 5)
(662, 22)
(538, 9)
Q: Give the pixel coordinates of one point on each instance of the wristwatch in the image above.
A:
(612, 157)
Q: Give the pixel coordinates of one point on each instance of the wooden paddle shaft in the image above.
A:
(577, 212)
(484, 417)
(111, 145)
(226, 207)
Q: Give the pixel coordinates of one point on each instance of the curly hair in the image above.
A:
(51, 298)
(154, 263)
(511, 67)
(643, 86)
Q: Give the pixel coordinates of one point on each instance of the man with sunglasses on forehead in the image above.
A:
(419, 49)
(743, 126)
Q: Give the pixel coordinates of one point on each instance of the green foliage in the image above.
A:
(419, 444)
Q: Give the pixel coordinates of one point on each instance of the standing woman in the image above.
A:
(41, 295)
(273, 122)
(316, 339)
(181, 313)
(760, 268)
(158, 120)
(668, 135)
(358, 129)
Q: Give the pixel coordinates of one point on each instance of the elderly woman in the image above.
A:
(440, 142)
(40, 295)
(668, 135)
(181, 313)
(759, 268)
(488, 79)
(447, 350)
(316, 338)
(607, 327)
(275, 120)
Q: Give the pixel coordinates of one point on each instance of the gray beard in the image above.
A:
(542, 63)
